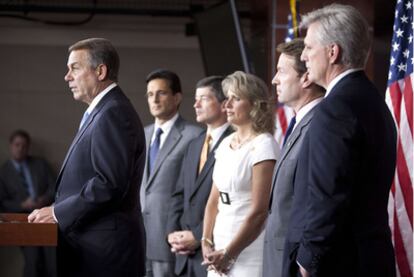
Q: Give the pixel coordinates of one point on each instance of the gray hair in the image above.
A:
(101, 51)
(343, 25)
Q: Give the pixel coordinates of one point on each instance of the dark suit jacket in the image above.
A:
(190, 198)
(339, 223)
(158, 187)
(281, 199)
(12, 190)
(97, 208)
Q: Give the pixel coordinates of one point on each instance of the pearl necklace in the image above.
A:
(238, 143)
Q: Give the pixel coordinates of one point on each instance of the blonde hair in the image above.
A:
(252, 88)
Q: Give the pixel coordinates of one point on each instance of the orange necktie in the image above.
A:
(204, 152)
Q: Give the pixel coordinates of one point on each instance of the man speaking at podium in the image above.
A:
(96, 205)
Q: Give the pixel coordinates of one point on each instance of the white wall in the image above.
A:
(34, 96)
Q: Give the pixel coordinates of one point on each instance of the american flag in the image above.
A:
(399, 98)
(283, 113)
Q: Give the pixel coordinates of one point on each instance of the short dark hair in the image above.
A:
(171, 77)
(214, 83)
(294, 48)
(101, 51)
(20, 133)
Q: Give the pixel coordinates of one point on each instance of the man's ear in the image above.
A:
(102, 72)
(304, 80)
(334, 53)
(223, 105)
(178, 96)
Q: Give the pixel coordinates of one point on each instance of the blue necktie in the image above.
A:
(84, 118)
(289, 129)
(154, 148)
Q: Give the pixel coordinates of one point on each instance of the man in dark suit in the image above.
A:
(167, 139)
(28, 183)
(296, 91)
(339, 220)
(185, 220)
(96, 207)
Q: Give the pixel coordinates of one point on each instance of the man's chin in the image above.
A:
(311, 78)
(280, 100)
(157, 114)
(200, 119)
(80, 99)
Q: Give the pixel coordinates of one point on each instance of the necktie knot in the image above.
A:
(289, 129)
(292, 122)
(158, 134)
(154, 148)
(84, 118)
(207, 141)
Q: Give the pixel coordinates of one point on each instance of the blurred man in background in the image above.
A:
(28, 183)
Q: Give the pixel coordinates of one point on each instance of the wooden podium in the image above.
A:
(16, 231)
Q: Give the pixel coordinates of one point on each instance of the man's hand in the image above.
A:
(183, 242)
(303, 272)
(44, 215)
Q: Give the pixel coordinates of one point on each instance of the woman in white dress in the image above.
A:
(237, 207)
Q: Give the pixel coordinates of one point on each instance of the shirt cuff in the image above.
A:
(53, 214)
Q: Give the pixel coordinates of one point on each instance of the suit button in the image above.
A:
(270, 211)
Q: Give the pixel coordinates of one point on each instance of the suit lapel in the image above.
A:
(210, 161)
(85, 126)
(169, 144)
(193, 166)
(289, 145)
(194, 170)
(77, 138)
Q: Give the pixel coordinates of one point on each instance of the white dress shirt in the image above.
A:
(216, 133)
(166, 128)
(305, 109)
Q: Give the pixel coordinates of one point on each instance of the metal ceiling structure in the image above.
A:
(177, 8)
